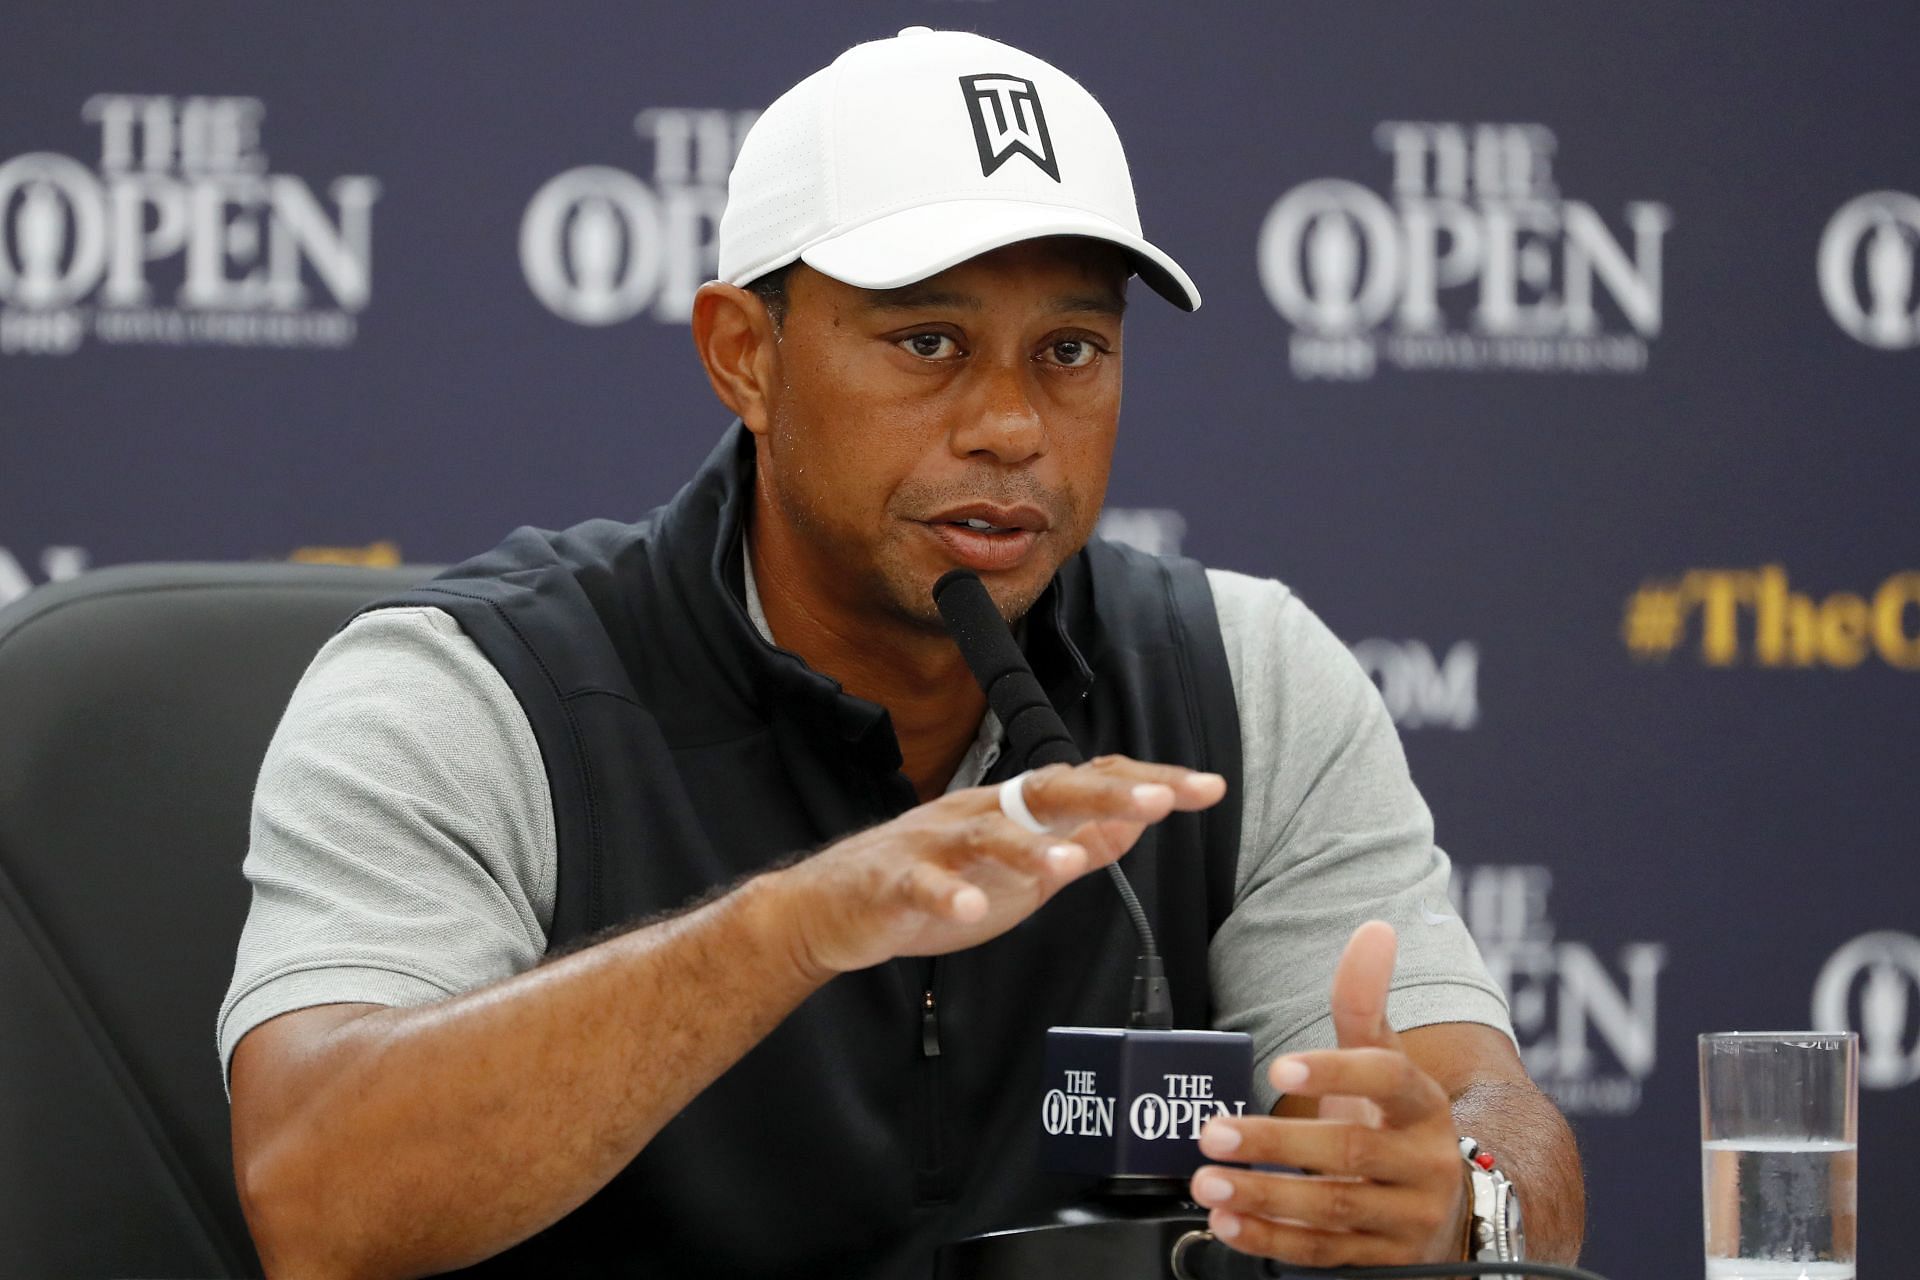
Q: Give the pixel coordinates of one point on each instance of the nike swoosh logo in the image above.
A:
(1431, 916)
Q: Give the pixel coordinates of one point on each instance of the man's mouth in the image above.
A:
(985, 537)
(993, 517)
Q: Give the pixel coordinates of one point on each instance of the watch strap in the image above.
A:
(1469, 1245)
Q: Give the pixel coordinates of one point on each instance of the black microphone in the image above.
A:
(1121, 1104)
(993, 655)
(1036, 735)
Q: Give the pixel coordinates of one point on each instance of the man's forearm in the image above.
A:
(1532, 1142)
(415, 1140)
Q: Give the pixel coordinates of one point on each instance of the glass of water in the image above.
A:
(1779, 1160)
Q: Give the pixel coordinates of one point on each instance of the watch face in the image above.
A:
(1516, 1229)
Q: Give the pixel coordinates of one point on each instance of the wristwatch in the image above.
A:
(1494, 1231)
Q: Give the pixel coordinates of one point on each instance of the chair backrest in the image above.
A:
(136, 704)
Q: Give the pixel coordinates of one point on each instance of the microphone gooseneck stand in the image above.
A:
(1144, 1229)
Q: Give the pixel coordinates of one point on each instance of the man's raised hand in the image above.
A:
(956, 871)
(1385, 1185)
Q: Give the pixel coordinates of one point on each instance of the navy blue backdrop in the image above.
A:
(1564, 358)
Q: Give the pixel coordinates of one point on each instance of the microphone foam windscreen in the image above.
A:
(1034, 729)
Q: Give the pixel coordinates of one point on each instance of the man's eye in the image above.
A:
(931, 346)
(1074, 353)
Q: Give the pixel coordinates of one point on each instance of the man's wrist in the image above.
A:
(772, 910)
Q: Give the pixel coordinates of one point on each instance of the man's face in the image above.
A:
(906, 419)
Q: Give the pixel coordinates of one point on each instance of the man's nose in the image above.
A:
(1004, 421)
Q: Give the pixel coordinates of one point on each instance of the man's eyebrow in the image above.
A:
(912, 297)
(1106, 304)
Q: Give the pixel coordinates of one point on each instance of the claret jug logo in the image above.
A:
(1475, 261)
(180, 236)
(1872, 985)
(1586, 1036)
(1008, 122)
(599, 245)
(1754, 618)
(1866, 269)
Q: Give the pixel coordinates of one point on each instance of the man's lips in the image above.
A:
(985, 537)
(988, 517)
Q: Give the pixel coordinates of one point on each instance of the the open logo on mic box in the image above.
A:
(1131, 1103)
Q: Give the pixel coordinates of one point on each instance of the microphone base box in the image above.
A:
(1130, 1103)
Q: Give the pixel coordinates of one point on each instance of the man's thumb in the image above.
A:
(1360, 988)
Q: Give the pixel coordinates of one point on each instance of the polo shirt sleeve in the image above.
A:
(1333, 833)
(402, 847)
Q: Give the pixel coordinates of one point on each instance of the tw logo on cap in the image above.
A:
(1008, 121)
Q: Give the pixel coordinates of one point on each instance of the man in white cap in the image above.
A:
(663, 896)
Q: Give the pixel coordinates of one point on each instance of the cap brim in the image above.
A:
(915, 243)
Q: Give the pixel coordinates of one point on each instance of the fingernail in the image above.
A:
(969, 903)
(1219, 1139)
(1224, 1224)
(1152, 795)
(1211, 1188)
(1287, 1073)
(1207, 778)
(1066, 857)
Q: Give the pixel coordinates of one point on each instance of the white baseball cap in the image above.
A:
(906, 156)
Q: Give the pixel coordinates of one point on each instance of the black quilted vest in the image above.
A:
(683, 752)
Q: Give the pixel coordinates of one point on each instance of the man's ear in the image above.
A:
(736, 340)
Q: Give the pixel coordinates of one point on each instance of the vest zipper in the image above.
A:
(929, 1026)
(933, 1175)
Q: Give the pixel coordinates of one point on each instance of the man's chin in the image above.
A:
(911, 569)
(1013, 595)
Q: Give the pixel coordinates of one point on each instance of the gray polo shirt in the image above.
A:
(403, 850)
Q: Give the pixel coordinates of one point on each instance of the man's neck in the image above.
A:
(917, 675)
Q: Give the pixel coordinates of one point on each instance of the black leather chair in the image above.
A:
(135, 706)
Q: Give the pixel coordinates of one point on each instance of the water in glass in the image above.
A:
(1779, 1209)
